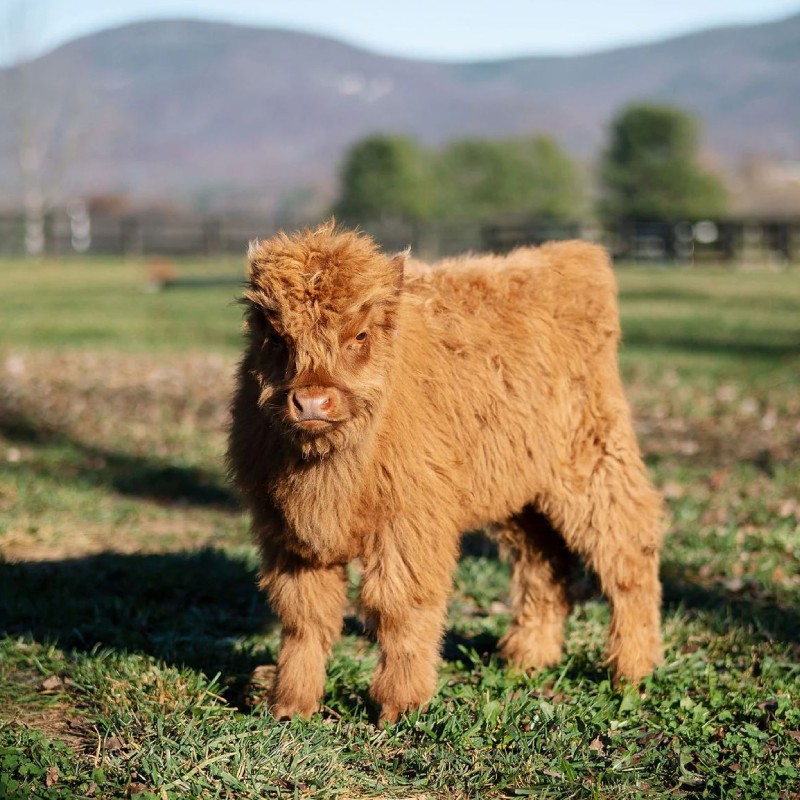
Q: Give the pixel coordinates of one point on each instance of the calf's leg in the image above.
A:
(540, 592)
(406, 601)
(309, 602)
(616, 525)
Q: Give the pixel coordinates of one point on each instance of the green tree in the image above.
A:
(385, 176)
(480, 179)
(651, 169)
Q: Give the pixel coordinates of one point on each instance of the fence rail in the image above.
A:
(726, 241)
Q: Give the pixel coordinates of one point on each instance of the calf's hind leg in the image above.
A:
(540, 591)
(616, 525)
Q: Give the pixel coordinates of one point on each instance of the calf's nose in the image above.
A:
(312, 405)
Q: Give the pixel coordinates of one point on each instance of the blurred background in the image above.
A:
(183, 128)
(142, 144)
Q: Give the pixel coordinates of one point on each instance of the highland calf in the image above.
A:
(378, 416)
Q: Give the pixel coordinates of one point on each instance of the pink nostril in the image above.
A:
(310, 406)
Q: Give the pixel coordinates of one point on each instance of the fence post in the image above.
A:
(49, 232)
(783, 240)
(130, 237)
(728, 234)
(212, 237)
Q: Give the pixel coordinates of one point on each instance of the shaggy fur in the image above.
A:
(482, 390)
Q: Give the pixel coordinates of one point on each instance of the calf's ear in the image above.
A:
(399, 264)
(252, 250)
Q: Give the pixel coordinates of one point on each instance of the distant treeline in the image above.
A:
(650, 170)
(651, 199)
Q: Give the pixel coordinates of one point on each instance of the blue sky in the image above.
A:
(442, 29)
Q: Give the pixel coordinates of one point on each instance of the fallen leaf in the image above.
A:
(114, 743)
(652, 739)
(552, 773)
(789, 508)
(749, 405)
(689, 447)
(596, 745)
(769, 420)
(546, 690)
(795, 735)
(717, 479)
(726, 393)
(52, 777)
(53, 682)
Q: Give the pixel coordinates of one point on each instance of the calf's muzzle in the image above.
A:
(312, 405)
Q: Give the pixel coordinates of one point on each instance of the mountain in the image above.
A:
(225, 114)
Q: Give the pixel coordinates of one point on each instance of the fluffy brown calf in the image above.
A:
(377, 418)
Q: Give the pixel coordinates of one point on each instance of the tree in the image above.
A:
(480, 179)
(45, 129)
(384, 177)
(651, 171)
(553, 186)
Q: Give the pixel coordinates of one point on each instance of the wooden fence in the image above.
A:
(729, 241)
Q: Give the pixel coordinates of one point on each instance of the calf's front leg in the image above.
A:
(407, 604)
(309, 602)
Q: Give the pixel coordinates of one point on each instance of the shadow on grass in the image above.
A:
(126, 474)
(751, 607)
(198, 610)
(740, 347)
(202, 610)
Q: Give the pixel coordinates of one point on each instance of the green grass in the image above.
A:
(135, 647)
(45, 304)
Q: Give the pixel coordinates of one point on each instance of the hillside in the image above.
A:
(225, 114)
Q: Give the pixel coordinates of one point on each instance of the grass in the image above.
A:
(135, 648)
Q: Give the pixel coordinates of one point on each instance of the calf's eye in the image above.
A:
(360, 337)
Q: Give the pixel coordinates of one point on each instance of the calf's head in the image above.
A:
(322, 310)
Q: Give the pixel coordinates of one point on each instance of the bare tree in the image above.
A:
(45, 112)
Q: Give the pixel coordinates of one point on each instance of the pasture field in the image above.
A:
(135, 648)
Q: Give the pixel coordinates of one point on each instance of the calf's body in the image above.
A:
(484, 390)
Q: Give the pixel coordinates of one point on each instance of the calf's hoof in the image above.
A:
(632, 670)
(283, 712)
(527, 651)
(392, 713)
